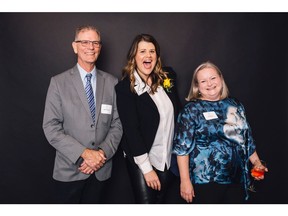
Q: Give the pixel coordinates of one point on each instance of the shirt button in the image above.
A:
(92, 125)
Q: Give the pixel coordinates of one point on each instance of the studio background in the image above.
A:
(249, 48)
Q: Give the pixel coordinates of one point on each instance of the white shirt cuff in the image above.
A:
(143, 163)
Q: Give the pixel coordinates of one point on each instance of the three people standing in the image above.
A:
(213, 140)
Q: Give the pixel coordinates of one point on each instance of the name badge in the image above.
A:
(106, 109)
(210, 115)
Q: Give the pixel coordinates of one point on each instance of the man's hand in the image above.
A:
(84, 168)
(93, 159)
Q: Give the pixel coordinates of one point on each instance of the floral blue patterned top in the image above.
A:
(217, 138)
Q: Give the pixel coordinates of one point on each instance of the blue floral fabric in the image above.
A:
(218, 140)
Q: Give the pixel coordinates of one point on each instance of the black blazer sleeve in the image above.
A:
(139, 117)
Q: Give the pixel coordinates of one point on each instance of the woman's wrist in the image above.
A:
(256, 162)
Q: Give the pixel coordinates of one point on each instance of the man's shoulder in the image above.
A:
(107, 75)
(66, 73)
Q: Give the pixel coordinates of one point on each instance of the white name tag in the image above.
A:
(106, 109)
(210, 115)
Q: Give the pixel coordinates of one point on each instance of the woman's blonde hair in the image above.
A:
(194, 89)
(157, 75)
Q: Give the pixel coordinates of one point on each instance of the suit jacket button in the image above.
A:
(93, 143)
(92, 125)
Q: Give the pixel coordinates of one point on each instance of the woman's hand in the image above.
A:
(152, 180)
(259, 168)
(187, 191)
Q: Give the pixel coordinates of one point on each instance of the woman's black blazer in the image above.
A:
(140, 117)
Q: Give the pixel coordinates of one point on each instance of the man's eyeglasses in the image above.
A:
(86, 43)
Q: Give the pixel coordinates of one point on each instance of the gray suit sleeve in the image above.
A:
(113, 138)
(53, 125)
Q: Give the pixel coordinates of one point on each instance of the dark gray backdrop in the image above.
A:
(249, 48)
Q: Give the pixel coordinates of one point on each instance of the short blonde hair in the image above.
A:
(194, 89)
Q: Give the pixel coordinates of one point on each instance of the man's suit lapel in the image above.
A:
(76, 79)
(99, 93)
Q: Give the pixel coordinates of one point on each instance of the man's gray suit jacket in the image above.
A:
(69, 128)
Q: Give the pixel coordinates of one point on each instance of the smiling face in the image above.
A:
(209, 84)
(87, 54)
(145, 58)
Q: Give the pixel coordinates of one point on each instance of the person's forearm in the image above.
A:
(254, 158)
(183, 165)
